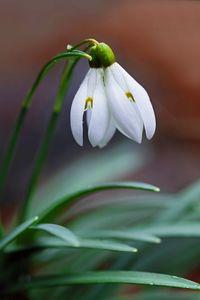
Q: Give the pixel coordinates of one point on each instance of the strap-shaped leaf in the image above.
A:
(60, 232)
(51, 242)
(60, 204)
(126, 277)
(103, 168)
(175, 230)
(17, 232)
(123, 234)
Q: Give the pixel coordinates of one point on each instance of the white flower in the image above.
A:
(112, 100)
(91, 98)
(129, 104)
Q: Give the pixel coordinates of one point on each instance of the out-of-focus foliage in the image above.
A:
(129, 237)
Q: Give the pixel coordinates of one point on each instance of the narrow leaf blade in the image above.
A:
(17, 232)
(60, 232)
(125, 277)
(88, 244)
(60, 204)
(123, 234)
(47, 243)
(176, 230)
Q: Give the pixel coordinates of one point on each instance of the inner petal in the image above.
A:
(88, 103)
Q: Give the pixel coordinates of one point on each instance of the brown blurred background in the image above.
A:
(158, 42)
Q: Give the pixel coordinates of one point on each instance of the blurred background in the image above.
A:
(158, 42)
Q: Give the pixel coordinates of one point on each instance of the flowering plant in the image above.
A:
(112, 99)
(61, 245)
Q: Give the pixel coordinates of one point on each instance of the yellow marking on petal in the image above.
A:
(88, 103)
(129, 95)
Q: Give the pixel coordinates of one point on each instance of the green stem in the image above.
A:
(64, 83)
(86, 41)
(25, 107)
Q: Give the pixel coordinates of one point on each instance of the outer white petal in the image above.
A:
(100, 114)
(109, 134)
(77, 110)
(92, 82)
(142, 100)
(127, 120)
(119, 77)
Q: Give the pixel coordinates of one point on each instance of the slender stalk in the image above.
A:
(86, 41)
(25, 108)
(64, 83)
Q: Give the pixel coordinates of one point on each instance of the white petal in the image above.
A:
(88, 116)
(119, 77)
(77, 111)
(92, 82)
(142, 101)
(109, 134)
(100, 114)
(126, 118)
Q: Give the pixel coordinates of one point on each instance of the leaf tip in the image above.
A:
(76, 244)
(158, 240)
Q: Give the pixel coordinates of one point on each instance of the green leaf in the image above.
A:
(101, 220)
(124, 202)
(61, 204)
(114, 163)
(60, 232)
(191, 192)
(17, 232)
(45, 243)
(125, 277)
(186, 198)
(106, 245)
(176, 230)
(122, 234)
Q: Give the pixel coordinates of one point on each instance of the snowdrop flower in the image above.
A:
(91, 98)
(129, 104)
(112, 100)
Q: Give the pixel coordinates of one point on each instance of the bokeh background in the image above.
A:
(158, 42)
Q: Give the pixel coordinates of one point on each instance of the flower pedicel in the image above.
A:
(112, 100)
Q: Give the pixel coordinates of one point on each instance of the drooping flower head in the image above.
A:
(112, 100)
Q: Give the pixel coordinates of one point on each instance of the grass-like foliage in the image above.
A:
(83, 236)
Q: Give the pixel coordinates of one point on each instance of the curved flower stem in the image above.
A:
(86, 41)
(25, 107)
(64, 83)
